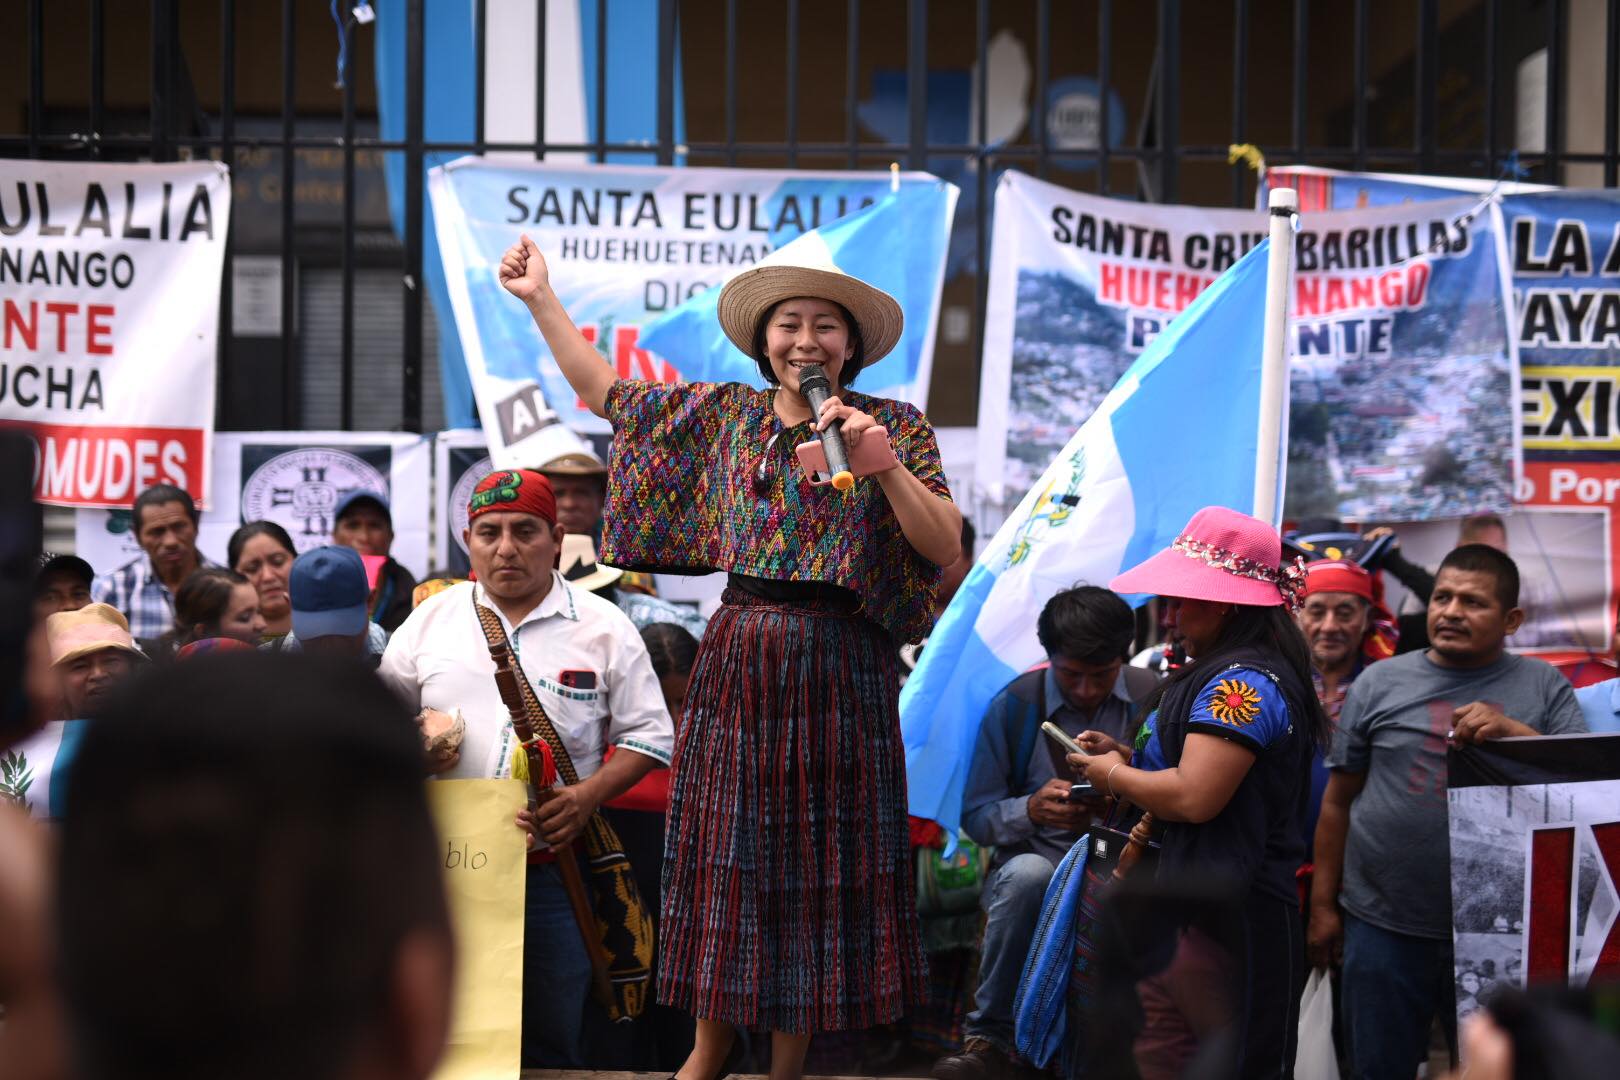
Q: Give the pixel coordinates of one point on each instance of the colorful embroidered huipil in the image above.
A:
(788, 896)
(703, 477)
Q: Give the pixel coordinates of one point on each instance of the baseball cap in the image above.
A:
(50, 564)
(362, 495)
(327, 588)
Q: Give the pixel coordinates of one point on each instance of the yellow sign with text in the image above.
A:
(1570, 408)
(482, 852)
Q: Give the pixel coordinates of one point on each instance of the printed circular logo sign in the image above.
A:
(461, 495)
(300, 491)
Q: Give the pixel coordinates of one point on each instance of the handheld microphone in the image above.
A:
(816, 388)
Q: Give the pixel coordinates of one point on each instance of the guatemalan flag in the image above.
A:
(898, 244)
(1179, 431)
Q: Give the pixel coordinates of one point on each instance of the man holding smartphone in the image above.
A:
(1019, 796)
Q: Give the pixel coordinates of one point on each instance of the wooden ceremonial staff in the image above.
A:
(567, 864)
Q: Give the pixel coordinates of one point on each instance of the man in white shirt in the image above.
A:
(591, 673)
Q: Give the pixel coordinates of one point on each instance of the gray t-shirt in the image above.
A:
(1397, 856)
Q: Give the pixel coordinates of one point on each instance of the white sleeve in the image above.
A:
(398, 667)
(638, 719)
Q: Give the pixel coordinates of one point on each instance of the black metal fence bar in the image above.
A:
(480, 72)
(917, 83)
(1611, 95)
(601, 79)
(415, 111)
(1302, 53)
(981, 171)
(346, 358)
(1553, 133)
(289, 209)
(1428, 66)
(161, 60)
(227, 154)
(1043, 82)
(852, 80)
(791, 119)
(1167, 101)
(1473, 158)
(1240, 90)
(36, 74)
(1105, 39)
(730, 143)
(1358, 124)
(1493, 22)
(540, 17)
(98, 69)
(666, 81)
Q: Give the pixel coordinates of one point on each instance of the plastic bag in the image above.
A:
(1316, 1058)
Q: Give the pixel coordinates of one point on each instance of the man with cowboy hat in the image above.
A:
(590, 671)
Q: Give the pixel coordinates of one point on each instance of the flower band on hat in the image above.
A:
(1289, 580)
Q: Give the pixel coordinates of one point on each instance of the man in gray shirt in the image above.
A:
(1017, 796)
(1381, 895)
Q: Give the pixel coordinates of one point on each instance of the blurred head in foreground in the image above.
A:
(250, 888)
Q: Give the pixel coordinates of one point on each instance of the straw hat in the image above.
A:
(805, 268)
(92, 628)
(574, 463)
(579, 566)
(1221, 556)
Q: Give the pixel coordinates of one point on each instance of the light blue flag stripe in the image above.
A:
(897, 244)
(1178, 432)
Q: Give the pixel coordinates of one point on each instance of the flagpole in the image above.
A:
(1271, 459)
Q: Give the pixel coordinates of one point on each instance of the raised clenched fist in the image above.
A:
(523, 270)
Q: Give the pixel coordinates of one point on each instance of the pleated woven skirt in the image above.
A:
(788, 901)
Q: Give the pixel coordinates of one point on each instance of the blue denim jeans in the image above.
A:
(1391, 987)
(556, 975)
(1012, 905)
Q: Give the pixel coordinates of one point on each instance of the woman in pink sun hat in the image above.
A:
(1223, 766)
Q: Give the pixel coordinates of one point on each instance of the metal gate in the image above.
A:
(1412, 113)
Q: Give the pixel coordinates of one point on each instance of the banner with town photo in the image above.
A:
(1404, 399)
(623, 244)
(1535, 863)
(296, 479)
(1564, 249)
(109, 285)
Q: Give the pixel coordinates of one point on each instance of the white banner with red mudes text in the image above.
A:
(109, 315)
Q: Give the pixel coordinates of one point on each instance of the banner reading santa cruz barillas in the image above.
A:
(624, 244)
(1404, 398)
(1564, 244)
(109, 311)
(1535, 863)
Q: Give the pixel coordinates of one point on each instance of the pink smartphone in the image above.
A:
(872, 454)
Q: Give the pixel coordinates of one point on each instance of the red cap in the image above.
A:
(1336, 575)
(521, 491)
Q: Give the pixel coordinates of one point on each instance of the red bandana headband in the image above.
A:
(519, 491)
(1290, 580)
(1338, 576)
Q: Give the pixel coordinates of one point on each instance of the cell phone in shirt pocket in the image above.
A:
(578, 680)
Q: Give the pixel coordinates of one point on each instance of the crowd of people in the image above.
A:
(230, 757)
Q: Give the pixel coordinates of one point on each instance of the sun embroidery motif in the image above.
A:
(1235, 703)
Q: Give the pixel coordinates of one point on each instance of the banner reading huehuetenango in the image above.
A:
(109, 309)
(623, 245)
(1564, 249)
(1535, 863)
(1404, 400)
